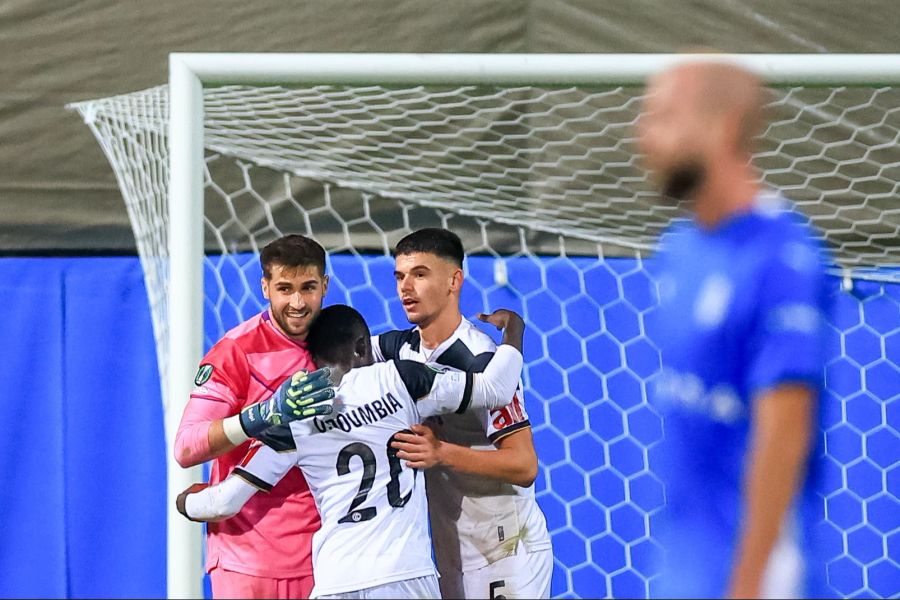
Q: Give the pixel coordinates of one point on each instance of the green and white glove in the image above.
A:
(302, 396)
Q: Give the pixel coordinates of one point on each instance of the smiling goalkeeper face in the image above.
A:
(294, 282)
(295, 297)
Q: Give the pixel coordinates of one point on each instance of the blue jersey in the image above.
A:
(742, 310)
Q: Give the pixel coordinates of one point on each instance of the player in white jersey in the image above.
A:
(490, 535)
(374, 540)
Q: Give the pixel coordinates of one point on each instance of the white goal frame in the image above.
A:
(188, 72)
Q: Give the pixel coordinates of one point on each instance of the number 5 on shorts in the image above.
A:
(495, 585)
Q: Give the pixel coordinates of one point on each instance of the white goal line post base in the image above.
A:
(188, 72)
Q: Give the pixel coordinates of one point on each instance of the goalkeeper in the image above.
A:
(265, 551)
(740, 329)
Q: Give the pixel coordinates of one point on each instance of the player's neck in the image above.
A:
(436, 331)
(338, 370)
(727, 191)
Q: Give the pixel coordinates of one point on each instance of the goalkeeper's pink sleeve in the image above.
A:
(192, 439)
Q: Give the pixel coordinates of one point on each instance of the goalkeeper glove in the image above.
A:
(301, 396)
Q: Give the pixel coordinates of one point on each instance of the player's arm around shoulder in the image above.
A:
(512, 325)
(202, 502)
(220, 382)
(259, 470)
(496, 385)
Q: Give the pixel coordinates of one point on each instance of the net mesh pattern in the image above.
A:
(545, 189)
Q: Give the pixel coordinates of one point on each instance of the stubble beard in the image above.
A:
(683, 181)
(303, 329)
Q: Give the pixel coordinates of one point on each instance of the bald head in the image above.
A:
(699, 125)
(720, 90)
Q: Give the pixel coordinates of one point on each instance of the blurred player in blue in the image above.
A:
(740, 329)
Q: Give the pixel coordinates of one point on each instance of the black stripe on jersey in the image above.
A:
(278, 437)
(480, 362)
(252, 479)
(390, 342)
(498, 435)
(417, 378)
(461, 358)
(467, 394)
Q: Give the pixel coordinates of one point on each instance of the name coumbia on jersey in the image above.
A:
(366, 414)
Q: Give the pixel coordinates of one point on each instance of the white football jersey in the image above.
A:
(373, 508)
(475, 521)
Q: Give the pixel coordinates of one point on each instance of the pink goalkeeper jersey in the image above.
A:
(272, 534)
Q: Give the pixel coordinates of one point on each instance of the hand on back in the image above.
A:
(501, 318)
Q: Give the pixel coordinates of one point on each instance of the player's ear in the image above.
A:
(264, 284)
(456, 280)
(728, 131)
(362, 351)
(360, 346)
(324, 284)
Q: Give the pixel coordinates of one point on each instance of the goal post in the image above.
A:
(505, 145)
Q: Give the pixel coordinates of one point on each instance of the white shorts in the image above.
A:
(523, 575)
(417, 587)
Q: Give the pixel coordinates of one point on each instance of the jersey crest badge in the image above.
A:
(713, 300)
(203, 374)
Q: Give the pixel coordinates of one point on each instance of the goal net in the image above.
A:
(543, 184)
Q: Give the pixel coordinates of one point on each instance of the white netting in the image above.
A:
(544, 185)
(555, 160)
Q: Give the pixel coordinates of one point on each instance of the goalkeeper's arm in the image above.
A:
(301, 396)
(205, 432)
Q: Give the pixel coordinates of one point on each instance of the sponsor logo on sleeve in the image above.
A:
(203, 374)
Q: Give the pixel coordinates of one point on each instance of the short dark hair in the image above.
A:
(433, 240)
(292, 251)
(332, 335)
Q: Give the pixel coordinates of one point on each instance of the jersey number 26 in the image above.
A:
(357, 515)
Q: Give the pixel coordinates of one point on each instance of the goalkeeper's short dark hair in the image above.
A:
(433, 240)
(334, 332)
(292, 251)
